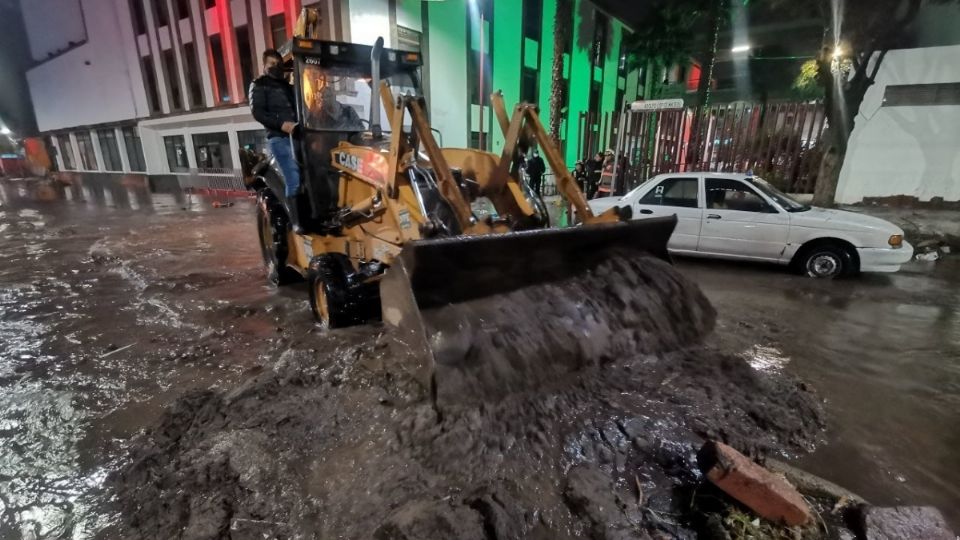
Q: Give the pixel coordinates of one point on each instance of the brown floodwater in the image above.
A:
(114, 301)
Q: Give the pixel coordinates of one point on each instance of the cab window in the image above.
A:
(680, 192)
(726, 194)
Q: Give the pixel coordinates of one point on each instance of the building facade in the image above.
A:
(160, 86)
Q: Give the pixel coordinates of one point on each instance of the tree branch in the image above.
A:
(876, 65)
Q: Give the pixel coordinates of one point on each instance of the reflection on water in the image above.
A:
(884, 353)
(113, 301)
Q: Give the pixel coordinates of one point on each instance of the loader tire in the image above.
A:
(330, 299)
(272, 234)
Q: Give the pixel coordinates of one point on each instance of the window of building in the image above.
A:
(246, 55)
(219, 69)
(150, 80)
(254, 139)
(173, 78)
(600, 33)
(66, 150)
(475, 139)
(48, 143)
(134, 147)
(139, 18)
(182, 8)
(194, 82)
(109, 150)
(901, 95)
(473, 77)
(209, 4)
(160, 12)
(278, 30)
(213, 151)
(176, 150)
(532, 21)
(529, 86)
(88, 156)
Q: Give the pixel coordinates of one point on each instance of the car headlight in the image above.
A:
(896, 241)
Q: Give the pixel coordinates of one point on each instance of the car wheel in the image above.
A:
(827, 261)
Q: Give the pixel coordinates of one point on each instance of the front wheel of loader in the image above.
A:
(329, 298)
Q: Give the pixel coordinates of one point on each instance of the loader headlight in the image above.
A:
(896, 241)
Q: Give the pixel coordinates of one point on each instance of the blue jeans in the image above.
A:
(283, 153)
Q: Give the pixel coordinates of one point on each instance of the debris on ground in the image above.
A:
(344, 444)
(904, 523)
(769, 495)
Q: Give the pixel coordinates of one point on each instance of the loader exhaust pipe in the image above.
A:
(375, 55)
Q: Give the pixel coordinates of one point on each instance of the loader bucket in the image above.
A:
(487, 316)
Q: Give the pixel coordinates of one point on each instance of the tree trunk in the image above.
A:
(710, 61)
(841, 105)
(648, 74)
(562, 28)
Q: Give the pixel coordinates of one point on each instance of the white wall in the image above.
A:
(67, 92)
(913, 151)
(370, 19)
(51, 25)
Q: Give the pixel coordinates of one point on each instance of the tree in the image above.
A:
(666, 37)
(562, 36)
(857, 36)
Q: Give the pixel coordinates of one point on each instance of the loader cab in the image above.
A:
(335, 92)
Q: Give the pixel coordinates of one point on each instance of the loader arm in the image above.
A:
(518, 132)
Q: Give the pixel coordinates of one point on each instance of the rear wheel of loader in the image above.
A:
(329, 297)
(273, 244)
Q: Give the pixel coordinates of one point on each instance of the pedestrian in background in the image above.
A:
(605, 189)
(581, 177)
(594, 169)
(620, 185)
(535, 170)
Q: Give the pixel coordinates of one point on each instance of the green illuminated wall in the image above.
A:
(446, 37)
(507, 36)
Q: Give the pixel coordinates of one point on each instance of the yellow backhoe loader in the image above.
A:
(388, 219)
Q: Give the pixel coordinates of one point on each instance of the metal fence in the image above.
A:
(210, 179)
(778, 141)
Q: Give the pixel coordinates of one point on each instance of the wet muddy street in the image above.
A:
(884, 353)
(115, 301)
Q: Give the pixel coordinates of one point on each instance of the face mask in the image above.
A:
(275, 71)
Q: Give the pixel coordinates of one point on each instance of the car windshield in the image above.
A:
(782, 198)
(338, 98)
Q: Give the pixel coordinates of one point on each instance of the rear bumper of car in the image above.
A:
(884, 259)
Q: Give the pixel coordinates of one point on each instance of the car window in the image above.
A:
(673, 192)
(725, 194)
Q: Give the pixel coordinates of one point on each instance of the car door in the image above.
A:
(676, 195)
(739, 222)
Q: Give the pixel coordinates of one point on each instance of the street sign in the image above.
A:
(656, 105)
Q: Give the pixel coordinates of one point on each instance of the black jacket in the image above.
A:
(536, 167)
(273, 103)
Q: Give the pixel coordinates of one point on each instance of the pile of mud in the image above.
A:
(345, 444)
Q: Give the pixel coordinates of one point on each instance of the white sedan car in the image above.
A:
(736, 216)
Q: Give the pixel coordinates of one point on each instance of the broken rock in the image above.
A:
(905, 523)
(767, 494)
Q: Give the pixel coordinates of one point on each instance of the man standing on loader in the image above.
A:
(273, 104)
